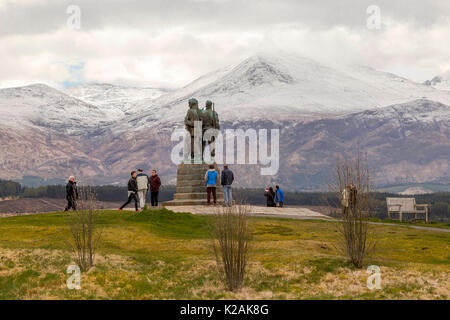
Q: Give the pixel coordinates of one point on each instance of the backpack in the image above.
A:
(142, 181)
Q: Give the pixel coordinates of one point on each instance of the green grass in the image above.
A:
(165, 255)
(431, 224)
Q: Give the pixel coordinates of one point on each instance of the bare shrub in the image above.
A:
(85, 235)
(352, 187)
(232, 235)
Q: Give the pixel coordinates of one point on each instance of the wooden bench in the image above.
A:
(406, 205)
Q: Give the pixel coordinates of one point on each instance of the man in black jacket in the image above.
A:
(132, 192)
(226, 181)
(71, 194)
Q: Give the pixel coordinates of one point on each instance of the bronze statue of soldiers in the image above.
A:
(193, 114)
(210, 120)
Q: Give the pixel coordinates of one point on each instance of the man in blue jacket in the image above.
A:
(211, 183)
(279, 196)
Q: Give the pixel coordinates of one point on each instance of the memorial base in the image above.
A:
(191, 186)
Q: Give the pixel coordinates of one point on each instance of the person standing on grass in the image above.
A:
(211, 183)
(353, 194)
(226, 180)
(142, 183)
(132, 192)
(345, 200)
(71, 194)
(270, 197)
(279, 196)
(155, 184)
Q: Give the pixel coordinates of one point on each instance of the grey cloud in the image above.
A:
(171, 42)
(46, 16)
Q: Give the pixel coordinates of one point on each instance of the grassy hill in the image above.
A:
(164, 255)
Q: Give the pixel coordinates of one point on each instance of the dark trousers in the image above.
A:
(71, 204)
(154, 198)
(132, 196)
(208, 192)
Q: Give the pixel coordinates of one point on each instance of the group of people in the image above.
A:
(138, 186)
(274, 198)
(140, 183)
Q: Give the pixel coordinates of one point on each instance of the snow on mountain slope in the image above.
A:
(39, 105)
(407, 142)
(441, 82)
(285, 87)
(417, 111)
(263, 87)
(118, 101)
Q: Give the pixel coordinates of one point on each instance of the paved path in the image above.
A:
(411, 226)
(290, 212)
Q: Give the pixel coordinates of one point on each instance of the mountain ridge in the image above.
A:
(100, 131)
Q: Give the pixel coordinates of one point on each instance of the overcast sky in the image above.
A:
(170, 43)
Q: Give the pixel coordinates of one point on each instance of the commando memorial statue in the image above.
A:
(203, 121)
(201, 128)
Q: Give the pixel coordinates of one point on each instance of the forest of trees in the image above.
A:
(9, 189)
(103, 193)
(440, 202)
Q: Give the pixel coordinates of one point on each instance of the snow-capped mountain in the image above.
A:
(405, 143)
(283, 88)
(117, 101)
(44, 107)
(441, 82)
(101, 131)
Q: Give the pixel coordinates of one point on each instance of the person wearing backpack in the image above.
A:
(211, 183)
(142, 183)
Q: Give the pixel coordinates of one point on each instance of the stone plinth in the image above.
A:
(191, 186)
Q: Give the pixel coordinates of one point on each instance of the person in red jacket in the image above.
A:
(155, 183)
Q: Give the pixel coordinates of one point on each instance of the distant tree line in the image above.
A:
(103, 193)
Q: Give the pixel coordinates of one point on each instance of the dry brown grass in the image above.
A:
(353, 189)
(85, 235)
(232, 235)
(148, 257)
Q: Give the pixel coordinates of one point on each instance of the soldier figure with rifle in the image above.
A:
(193, 114)
(210, 120)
